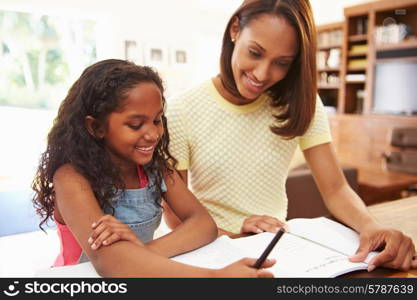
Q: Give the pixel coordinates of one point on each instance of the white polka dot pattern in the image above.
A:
(237, 166)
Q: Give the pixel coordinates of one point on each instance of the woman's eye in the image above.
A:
(254, 53)
(282, 63)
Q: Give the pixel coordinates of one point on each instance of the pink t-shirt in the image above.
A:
(70, 249)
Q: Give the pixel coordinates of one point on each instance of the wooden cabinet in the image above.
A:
(361, 142)
(372, 32)
(361, 137)
(329, 56)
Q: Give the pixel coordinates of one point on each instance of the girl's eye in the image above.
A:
(254, 53)
(135, 127)
(158, 121)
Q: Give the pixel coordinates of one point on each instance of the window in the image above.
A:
(40, 57)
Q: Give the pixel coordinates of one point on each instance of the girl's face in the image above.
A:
(263, 53)
(133, 131)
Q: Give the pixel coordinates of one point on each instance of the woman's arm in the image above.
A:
(346, 206)
(79, 209)
(338, 196)
(196, 227)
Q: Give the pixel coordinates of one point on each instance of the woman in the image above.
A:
(234, 135)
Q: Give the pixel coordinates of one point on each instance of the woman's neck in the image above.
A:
(226, 94)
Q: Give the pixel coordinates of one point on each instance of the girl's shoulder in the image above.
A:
(68, 174)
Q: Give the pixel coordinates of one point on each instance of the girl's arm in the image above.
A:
(79, 209)
(196, 227)
(346, 206)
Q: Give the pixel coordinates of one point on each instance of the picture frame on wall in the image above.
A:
(156, 55)
(133, 53)
(179, 57)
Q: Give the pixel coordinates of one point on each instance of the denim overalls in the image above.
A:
(138, 209)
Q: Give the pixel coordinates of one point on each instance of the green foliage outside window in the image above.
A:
(41, 56)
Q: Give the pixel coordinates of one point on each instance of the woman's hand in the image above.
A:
(108, 230)
(398, 249)
(243, 268)
(258, 224)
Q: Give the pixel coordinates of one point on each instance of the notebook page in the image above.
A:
(297, 257)
(328, 233)
(215, 255)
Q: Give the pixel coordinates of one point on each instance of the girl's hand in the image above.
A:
(243, 268)
(108, 230)
(258, 224)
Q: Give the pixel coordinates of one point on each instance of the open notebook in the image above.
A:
(313, 248)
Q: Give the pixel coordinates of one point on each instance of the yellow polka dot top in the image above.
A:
(236, 166)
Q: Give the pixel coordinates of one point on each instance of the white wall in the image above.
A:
(329, 11)
(194, 25)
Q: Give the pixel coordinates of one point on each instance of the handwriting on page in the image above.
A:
(297, 257)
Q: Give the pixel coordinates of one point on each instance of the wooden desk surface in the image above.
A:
(399, 214)
(377, 185)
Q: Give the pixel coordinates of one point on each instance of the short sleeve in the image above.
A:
(178, 144)
(319, 131)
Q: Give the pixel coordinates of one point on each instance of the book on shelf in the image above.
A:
(332, 38)
(359, 48)
(355, 77)
(357, 63)
(333, 60)
(322, 59)
(392, 33)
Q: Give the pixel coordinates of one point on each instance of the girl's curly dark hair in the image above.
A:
(98, 92)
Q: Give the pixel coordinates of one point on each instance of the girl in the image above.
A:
(235, 134)
(107, 153)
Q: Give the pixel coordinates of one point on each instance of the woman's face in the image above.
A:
(263, 53)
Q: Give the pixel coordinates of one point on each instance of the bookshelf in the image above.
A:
(370, 34)
(329, 54)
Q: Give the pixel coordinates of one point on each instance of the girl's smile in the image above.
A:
(134, 130)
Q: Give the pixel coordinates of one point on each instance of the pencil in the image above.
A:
(268, 249)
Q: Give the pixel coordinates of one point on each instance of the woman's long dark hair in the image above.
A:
(296, 93)
(98, 92)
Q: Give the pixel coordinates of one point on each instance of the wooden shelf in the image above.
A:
(328, 86)
(356, 69)
(328, 69)
(357, 54)
(397, 46)
(360, 54)
(331, 40)
(358, 38)
(355, 82)
(329, 47)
